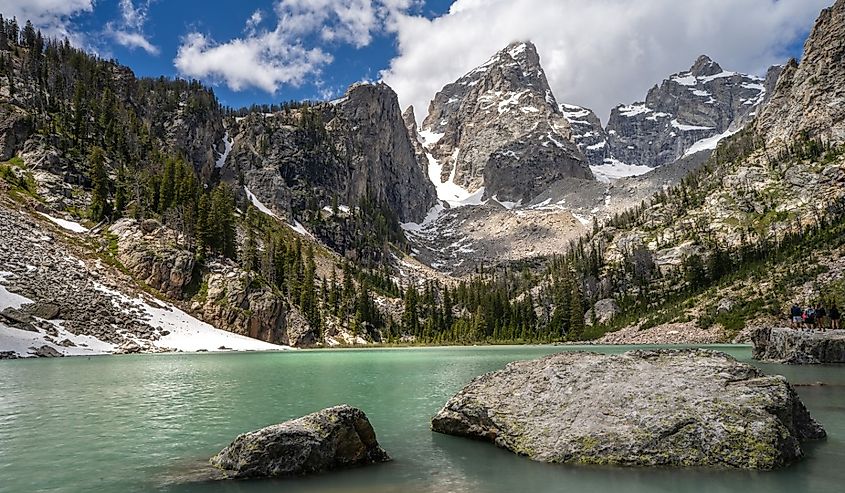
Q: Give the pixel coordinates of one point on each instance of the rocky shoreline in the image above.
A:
(799, 347)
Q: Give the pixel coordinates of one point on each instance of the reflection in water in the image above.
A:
(150, 423)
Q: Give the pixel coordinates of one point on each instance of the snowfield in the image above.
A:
(65, 224)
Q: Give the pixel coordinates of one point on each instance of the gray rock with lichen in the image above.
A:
(641, 408)
(334, 438)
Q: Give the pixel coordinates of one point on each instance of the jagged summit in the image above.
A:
(499, 128)
(705, 66)
(687, 113)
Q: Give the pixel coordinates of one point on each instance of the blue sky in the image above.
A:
(596, 53)
(169, 21)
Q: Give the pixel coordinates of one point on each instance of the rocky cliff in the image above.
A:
(499, 127)
(587, 133)
(354, 148)
(687, 113)
(810, 98)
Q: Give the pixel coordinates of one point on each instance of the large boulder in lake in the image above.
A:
(641, 408)
(334, 438)
(799, 347)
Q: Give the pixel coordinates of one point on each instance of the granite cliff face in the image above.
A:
(810, 97)
(353, 148)
(687, 113)
(499, 127)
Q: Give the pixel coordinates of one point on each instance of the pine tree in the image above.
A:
(576, 314)
(410, 317)
(99, 185)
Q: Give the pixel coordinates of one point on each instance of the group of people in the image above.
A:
(815, 317)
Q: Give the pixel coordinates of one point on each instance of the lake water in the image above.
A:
(150, 423)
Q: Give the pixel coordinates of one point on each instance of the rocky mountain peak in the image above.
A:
(481, 117)
(810, 97)
(704, 67)
(687, 113)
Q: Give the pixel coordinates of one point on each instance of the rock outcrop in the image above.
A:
(229, 298)
(810, 97)
(334, 438)
(587, 133)
(15, 127)
(499, 127)
(237, 301)
(687, 113)
(153, 254)
(798, 347)
(641, 408)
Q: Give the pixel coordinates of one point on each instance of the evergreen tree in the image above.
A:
(99, 185)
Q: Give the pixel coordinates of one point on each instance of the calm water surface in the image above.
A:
(150, 422)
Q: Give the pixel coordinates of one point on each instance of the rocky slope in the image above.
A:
(55, 292)
(687, 113)
(587, 133)
(634, 410)
(231, 299)
(810, 97)
(500, 128)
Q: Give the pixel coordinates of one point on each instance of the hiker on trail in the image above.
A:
(810, 318)
(821, 316)
(834, 317)
(795, 313)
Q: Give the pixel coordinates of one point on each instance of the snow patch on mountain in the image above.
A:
(613, 169)
(228, 143)
(65, 224)
(709, 143)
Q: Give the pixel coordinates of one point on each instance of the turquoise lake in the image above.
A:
(150, 423)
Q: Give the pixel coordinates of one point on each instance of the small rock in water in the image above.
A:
(799, 347)
(334, 438)
(641, 408)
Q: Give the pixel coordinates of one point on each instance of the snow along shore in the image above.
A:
(186, 333)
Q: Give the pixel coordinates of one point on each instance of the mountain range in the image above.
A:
(506, 215)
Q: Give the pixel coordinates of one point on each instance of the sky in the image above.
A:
(596, 53)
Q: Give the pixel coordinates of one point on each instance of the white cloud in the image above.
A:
(52, 17)
(596, 53)
(134, 40)
(129, 31)
(262, 60)
(298, 47)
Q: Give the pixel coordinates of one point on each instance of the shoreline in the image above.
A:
(586, 345)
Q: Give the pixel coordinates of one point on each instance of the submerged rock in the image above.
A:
(334, 438)
(799, 347)
(641, 408)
